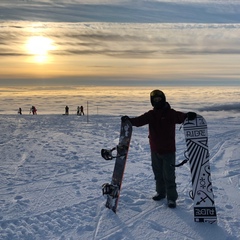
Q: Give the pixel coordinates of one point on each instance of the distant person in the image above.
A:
(33, 110)
(66, 110)
(161, 122)
(20, 111)
(81, 109)
(78, 110)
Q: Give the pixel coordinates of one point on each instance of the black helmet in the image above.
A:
(158, 99)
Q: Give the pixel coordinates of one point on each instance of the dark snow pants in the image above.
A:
(164, 174)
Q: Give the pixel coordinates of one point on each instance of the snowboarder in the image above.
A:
(162, 120)
(66, 110)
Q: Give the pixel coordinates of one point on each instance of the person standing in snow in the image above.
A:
(20, 111)
(161, 121)
(66, 110)
(33, 110)
(78, 110)
(81, 110)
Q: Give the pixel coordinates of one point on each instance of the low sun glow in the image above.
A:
(39, 47)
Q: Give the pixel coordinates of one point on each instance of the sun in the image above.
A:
(39, 46)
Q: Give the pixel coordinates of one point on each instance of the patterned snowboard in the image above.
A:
(196, 136)
(121, 159)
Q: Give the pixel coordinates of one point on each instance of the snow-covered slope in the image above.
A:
(51, 174)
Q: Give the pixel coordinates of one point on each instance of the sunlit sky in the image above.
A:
(119, 42)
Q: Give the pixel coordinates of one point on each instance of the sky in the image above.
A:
(55, 42)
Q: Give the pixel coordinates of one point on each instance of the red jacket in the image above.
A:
(161, 128)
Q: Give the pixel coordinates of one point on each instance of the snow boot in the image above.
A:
(158, 197)
(171, 204)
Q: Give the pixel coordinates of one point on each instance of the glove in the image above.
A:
(125, 118)
(191, 115)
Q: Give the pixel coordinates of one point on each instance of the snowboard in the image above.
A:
(112, 190)
(196, 136)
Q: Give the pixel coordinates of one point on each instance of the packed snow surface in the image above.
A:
(51, 174)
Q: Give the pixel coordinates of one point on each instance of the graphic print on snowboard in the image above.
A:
(112, 190)
(196, 136)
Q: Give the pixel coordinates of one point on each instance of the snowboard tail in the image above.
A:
(196, 136)
(112, 190)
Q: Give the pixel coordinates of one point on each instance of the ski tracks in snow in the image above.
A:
(51, 183)
(224, 160)
(139, 216)
(110, 225)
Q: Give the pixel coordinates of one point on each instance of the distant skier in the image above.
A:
(33, 110)
(66, 110)
(20, 111)
(81, 109)
(161, 121)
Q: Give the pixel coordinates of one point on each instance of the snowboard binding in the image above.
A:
(110, 189)
(107, 154)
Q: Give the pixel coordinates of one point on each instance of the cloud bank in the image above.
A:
(224, 107)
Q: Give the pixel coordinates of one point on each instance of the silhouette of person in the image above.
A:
(81, 109)
(33, 110)
(20, 111)
(66, 110)
(78, 110)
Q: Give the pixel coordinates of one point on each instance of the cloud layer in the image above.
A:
(123, 39)
(122, 11)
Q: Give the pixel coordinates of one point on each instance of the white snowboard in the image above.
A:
(196, 136)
